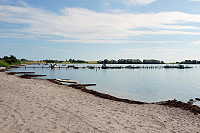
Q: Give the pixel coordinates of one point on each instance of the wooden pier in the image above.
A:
(13, 73)
(29, 76)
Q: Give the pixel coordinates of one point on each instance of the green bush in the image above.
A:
(16, 63)
(12, 60)
(3, 63)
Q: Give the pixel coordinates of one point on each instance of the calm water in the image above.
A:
(148, 85)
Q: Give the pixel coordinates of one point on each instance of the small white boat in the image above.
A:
(53, 65)
(67, 80)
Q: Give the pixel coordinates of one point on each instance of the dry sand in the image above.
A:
(29, 105)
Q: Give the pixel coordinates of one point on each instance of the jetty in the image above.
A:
(13, 73)
(60, 82)
(29, 76)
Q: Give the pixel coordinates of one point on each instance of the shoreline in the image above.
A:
(169, 103)
(33, 105)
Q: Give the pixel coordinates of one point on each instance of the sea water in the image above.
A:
(146, 85)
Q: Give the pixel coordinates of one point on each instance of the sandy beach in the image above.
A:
(37, 106)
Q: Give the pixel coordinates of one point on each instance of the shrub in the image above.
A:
(3, 63)
(12, 60)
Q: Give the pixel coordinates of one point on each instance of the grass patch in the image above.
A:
(32, 62)
(92, 62)
(4, 64)
(65, 62)
(17, 63)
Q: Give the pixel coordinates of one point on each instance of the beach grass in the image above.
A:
(32, 62)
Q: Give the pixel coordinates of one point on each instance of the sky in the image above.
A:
(167, 30)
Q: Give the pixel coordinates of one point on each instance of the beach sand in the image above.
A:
(37, 106)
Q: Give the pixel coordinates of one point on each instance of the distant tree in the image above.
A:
(130, 61)
(76, 61)
(100, 62)
(190, 62)
(52, 61)
(23, 60)
(5, 57)
(106, 61)
(152, 61)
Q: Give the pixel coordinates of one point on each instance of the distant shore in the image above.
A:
(29, 105)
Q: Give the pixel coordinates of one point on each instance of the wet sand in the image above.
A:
(29, 105)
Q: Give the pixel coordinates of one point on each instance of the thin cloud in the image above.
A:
(106, 4)
(137, 2)
(64, 50)
(155, 50)
(16, 35)
(114, 41)
(60, 50)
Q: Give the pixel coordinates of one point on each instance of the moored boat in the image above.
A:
(104, 66)
(54, 65)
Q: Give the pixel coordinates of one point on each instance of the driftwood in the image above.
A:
(31, 76)
(178, 104)
(97, 94)
(87, 84)
(198, 99)
(103, 95)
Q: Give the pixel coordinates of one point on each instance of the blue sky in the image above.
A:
(167, 30)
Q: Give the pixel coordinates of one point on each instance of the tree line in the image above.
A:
(130, 61)
(52, 61)
(76, 61)
(189, 62)
(70, 61)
